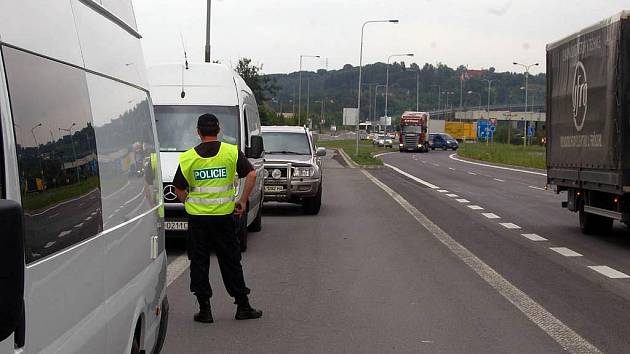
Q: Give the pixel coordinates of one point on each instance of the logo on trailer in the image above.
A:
(169, 193)
(580, 96)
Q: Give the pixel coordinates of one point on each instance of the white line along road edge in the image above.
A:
(453, 157)
(423, 182)
(558, 331)
(176, 268)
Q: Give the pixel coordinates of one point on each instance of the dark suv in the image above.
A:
(442, 141)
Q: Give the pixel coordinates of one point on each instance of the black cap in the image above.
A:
(208, 120)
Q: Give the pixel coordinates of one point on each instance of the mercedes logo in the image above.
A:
(169, 193)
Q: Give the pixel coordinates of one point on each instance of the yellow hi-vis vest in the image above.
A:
(210, 181)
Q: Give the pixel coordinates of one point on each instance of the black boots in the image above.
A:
(244, 311)
(204, 315)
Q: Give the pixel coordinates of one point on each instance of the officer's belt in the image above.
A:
(208, 201)
(227, 188)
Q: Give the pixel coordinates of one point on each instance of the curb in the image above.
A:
(352, 164)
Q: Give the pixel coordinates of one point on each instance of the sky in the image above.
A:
(274, 33)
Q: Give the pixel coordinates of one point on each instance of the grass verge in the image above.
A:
(37, 201)
(366, 150)
(532, 156)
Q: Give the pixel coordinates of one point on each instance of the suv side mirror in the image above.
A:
(321, 152)
(257, 148)
(11, 268)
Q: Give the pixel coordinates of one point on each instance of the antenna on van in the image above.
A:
(183, 93)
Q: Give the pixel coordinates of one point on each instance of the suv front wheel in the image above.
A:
(312, 205)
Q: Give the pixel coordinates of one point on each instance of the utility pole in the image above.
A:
(208, 21)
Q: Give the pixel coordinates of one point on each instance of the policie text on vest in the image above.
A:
(210, 173)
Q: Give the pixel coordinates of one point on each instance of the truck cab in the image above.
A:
(414, 132)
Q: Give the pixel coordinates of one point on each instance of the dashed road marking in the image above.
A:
(472, 173)
(534, 237)
(499, 180)
(491, 215)
(78, 225)
(64, 234)
(475, 207)
(442, 191)
(176, 268)
(538, 188)
(610, 272)
(452, 169)
(425, 183)
(49, 244)
(509, 225)
(436, 164)
(567, 252)
(88, 218)
(566, 337)
(463, 201)
(451, 195)
(53, 215)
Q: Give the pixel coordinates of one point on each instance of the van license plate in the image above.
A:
(176, 225)
(274, 188)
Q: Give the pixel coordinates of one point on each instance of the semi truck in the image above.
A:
(414, 132)
(588, 130)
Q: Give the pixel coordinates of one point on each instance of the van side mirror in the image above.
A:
(257, 148)
(11, 268)
(321, 152)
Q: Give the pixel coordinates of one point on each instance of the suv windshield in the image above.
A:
(177, 125)
(447, 137)
(286, 143)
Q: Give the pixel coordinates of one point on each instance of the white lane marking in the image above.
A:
(49, 244)
(497, 167)
(64, 234)
(432, 186)
(423, 161)
(53, 215)
(78, 225)
(452, 195)
(538, 188)
(491, 215)
(610, 272)
(176, 268)
(499, 180)
(567, 252)
(88, 218)
(472, 173)
(509, 225)
(134, 198)
(546, 321)
(116, 192)
(475, 207)
(385, 153)
(62, 203)
(534, 237)
(442, 191)
(452, 169)
(463, 201)
(436, 165)
(93, 213)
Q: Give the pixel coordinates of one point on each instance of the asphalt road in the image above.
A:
(393, 265)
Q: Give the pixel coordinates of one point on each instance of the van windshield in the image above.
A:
(411, 129)
(286, 143)
(177, 125)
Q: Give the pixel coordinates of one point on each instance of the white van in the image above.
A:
(181, 93)
(82, 260)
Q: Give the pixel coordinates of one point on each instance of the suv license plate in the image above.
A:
(176, 225)
(274, 188)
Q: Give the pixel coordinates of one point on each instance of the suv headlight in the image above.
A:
(303, 171)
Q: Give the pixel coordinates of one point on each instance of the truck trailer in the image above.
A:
(588, 126)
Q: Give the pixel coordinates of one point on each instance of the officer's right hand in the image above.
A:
(239, 208)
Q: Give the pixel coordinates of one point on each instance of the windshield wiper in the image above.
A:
(285, 152)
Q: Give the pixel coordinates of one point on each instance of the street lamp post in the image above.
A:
(360, 74)
(74, 152)
(39, 156)
(308, 102)
(527, 67)
(476, 93)
(387, 76)
(300, 85)
(375, 96)
(489, 87)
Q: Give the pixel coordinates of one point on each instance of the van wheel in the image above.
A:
(592, 224)
(135, 343)
(312, 206)
(256, 225)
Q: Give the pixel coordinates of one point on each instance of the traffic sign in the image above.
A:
(530, 131)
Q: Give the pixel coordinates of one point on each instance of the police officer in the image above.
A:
(204, 182)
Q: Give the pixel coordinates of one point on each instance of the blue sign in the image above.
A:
(485, 130)
(530, 131)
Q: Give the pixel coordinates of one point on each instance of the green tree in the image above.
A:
(262, 86)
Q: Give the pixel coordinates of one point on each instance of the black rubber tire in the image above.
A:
(256, 225)
(311, 206)
(444, 148)
(592, 224)
(135, 342)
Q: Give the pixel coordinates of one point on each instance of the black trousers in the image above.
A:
(218, 233)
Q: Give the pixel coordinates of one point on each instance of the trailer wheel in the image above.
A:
(592, 224)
